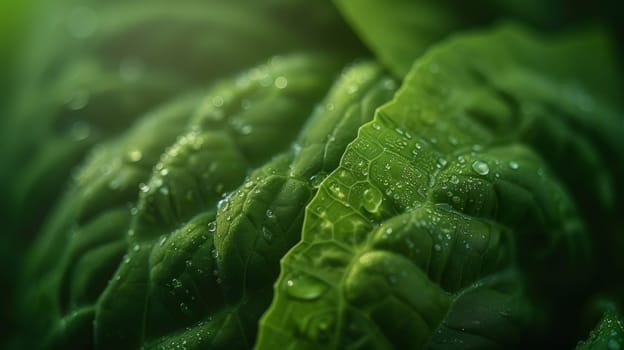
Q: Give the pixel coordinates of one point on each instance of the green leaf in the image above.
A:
(449, 188)
(83, 242)
(212, 281)
(608, 334)
(400, 31)
(176, 163)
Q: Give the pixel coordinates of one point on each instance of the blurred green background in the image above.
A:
(14, 20)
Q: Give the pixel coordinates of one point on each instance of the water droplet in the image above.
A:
(432, 180)
(245, 104)
(389, 84)
(270, 214)
(78, 100)
(371, 200)
(80, 131)
(212, 226)
(246, 129)
(480, 167)
(513, 165)
(267, 234)
(335, 188)
(389, 231)
(454, 180)
(280, 82)
(184, 308)
(305, 288)
(441, 163)
(437, 247)
(217, 101)
(144, 188)
(376, 126)
(136, 248)
(541, 172)
(315, 180)
(135, 155)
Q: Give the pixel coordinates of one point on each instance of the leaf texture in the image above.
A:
(451, 207)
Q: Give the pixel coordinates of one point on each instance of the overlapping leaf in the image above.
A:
(400, 31)
(215, 279)
(235, 130)
(448, 208)
(608, 334)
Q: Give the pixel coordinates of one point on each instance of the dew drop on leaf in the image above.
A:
(270, 214)
(371, 200)
(114, 184)
(212, 226)
(315, 180)
(305, 287)
(267, 234)
(336, 190)
(135, 155)
(143, 187)
(280, 82)
(80, 131)
(78, 100)
(480, 167)
(184, 308)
